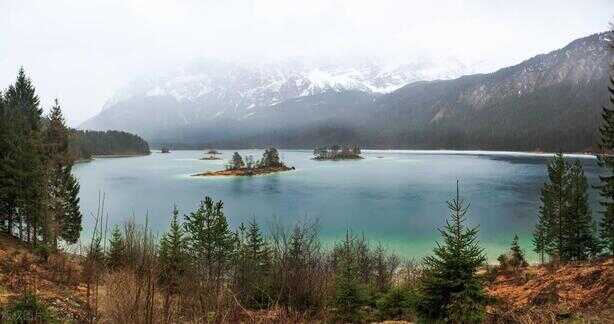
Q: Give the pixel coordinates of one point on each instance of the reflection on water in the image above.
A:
(398, 199)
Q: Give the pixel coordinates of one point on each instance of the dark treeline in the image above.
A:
(38, 194)
(87, 143)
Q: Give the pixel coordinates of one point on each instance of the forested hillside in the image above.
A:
(86, 143)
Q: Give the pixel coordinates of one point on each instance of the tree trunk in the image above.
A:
(167, 300)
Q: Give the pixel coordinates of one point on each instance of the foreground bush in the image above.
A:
(27, 309)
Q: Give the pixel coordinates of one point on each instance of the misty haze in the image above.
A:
(314, 161)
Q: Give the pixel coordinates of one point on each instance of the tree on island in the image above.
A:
(250, 164)
(451, 291)
(270, 158)
(337, 152)
(236, 162)
(212, 155)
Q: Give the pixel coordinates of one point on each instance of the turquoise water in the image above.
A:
(396, 198)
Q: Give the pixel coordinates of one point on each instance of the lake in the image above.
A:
(396, 198)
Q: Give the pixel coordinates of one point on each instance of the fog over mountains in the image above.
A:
(549, 102)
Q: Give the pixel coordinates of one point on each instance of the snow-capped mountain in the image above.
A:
(549, 102)
(207, 90)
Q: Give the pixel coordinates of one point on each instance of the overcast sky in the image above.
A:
(81, 51)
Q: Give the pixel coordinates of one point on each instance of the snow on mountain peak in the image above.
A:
(215, 86)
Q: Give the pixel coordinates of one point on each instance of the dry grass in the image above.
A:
(574, 292)
(54, 281)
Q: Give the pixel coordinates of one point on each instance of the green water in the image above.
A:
(396, 198)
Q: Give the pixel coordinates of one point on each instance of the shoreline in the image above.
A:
(444, 151)
(112, 156)
(109, 156)
(341, 158)
(243, 172)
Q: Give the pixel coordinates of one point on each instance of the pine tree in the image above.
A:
(116, 256)
(7, 186)
(347, 289)
(383, 269)
(578, 229)
(451, 292)
(554, 207)
(517, 259)
(64, 220)
(173, 260)
(606, 161)
(237, 161)
(253, 267)
(270, 158)
(211, 244)
(72, 217)
(27, 169)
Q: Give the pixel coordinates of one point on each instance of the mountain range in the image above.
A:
(550, 102)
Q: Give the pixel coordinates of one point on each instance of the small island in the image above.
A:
(270, 163)
(337, 152)
(213, 155)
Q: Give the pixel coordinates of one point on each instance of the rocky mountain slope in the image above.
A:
(549, 102)
(182, 103)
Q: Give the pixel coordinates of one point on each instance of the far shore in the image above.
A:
(435, 151)
(109, 156)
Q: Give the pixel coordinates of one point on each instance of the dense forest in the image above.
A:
(39, 196)
(86, 143)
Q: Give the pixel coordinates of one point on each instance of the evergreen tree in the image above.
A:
(237, 161)
(270, 158)
(451, 291)
(554, 207)
(64, 220)
(517, 253)
(514, 259)
(606, 161)
(173, 260)
(72, 217)
(347, 285)
(579, 234)
(564, 229)
(383, 269)
(211, 244)
(7, 183)
(116, 256)
(253, 267)
(28, 172)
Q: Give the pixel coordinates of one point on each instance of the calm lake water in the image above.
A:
(396, 198)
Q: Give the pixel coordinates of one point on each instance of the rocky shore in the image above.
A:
(244, 172)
